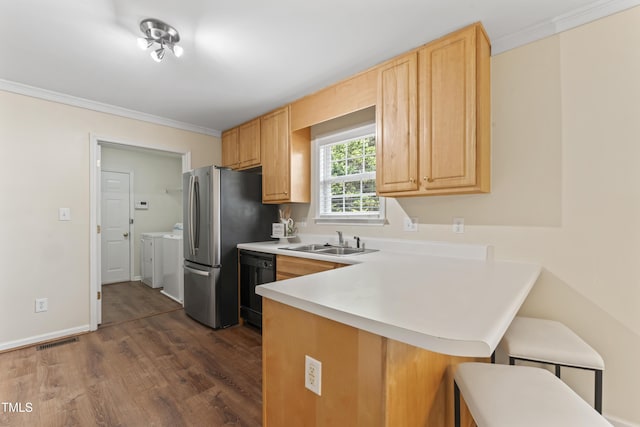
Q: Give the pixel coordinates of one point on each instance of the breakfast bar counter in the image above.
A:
(388, 331)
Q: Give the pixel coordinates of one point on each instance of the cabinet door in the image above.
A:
(288, 266)
(249, 144)
(447, 88)
(396, 119)
(230, 157)
(274, 140)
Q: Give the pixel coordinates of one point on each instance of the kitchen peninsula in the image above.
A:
(386, 330)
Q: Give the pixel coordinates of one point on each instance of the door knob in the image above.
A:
(125, 234)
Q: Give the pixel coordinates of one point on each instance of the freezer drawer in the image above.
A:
(206, 299)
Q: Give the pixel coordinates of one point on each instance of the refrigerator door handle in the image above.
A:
(192, 249)
(198, 272)
(196, 194)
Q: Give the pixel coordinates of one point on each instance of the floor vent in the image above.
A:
(57, 343)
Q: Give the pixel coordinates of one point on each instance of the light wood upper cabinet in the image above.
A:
(285, 159)
(453, 116)
(396, 120)
(230, 154)
(241, 146)
(274, 137)
(353, 94)
(249, 144)
(432, 118)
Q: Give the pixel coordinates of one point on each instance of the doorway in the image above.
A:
(112, 234)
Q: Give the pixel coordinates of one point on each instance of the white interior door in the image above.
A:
(115, 211)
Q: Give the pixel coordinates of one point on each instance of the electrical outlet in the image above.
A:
(458, 225)
(410, 224)
(313, 375)
(42, 304)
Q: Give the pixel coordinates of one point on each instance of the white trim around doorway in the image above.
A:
(95, 141)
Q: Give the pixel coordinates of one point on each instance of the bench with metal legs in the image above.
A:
(550, 342)
(523, 396)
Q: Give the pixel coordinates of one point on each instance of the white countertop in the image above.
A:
(454, 305)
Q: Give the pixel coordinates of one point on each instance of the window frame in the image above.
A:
(342, 135)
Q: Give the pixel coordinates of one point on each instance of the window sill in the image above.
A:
(351, 221)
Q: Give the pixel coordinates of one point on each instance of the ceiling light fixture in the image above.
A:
(156, 31)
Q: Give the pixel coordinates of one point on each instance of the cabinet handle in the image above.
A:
(412, 180)
(426, 178)
(285, 193)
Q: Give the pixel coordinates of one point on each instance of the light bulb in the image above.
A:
(177, 51)
(143, 43)
(157, 55)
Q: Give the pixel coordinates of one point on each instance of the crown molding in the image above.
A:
(62, 98)
(560, 23)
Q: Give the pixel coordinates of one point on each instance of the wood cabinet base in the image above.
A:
(367, 380)
(288, 267)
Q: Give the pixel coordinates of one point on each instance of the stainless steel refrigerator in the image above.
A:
(221, 208)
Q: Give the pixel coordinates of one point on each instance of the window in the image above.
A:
(345, 171)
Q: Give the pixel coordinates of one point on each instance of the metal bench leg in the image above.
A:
(493, 357)
(557, 371)
(598, 393)
(512, 361)
(456, 405)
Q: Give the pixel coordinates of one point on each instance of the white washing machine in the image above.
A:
(151, 258)
(172, 266)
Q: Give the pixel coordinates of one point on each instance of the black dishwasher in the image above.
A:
(256, 268)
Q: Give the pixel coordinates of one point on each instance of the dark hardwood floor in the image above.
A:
(126, 301)
(159, 370)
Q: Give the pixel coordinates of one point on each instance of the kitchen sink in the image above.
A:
(308, 248)
(341, 251)
(329, 250)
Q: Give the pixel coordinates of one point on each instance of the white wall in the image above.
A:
(157, 179)
(44, 165)
(566, 192)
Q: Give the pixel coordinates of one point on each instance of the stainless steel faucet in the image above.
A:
(340, 239)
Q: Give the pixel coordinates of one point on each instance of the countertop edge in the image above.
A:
(436, 344)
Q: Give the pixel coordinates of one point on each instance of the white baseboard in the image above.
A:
(44, 337)
(617, 422)
(137, 279)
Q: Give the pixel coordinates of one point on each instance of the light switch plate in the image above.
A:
(64, 214)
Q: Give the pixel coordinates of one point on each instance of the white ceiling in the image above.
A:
(241, 58)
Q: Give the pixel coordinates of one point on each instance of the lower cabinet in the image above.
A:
(288, 267)
(367, 379)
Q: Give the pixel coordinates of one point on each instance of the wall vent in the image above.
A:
(57, 343)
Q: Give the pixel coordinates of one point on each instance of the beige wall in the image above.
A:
(566, 192)
(44, 165)
(157, 179)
